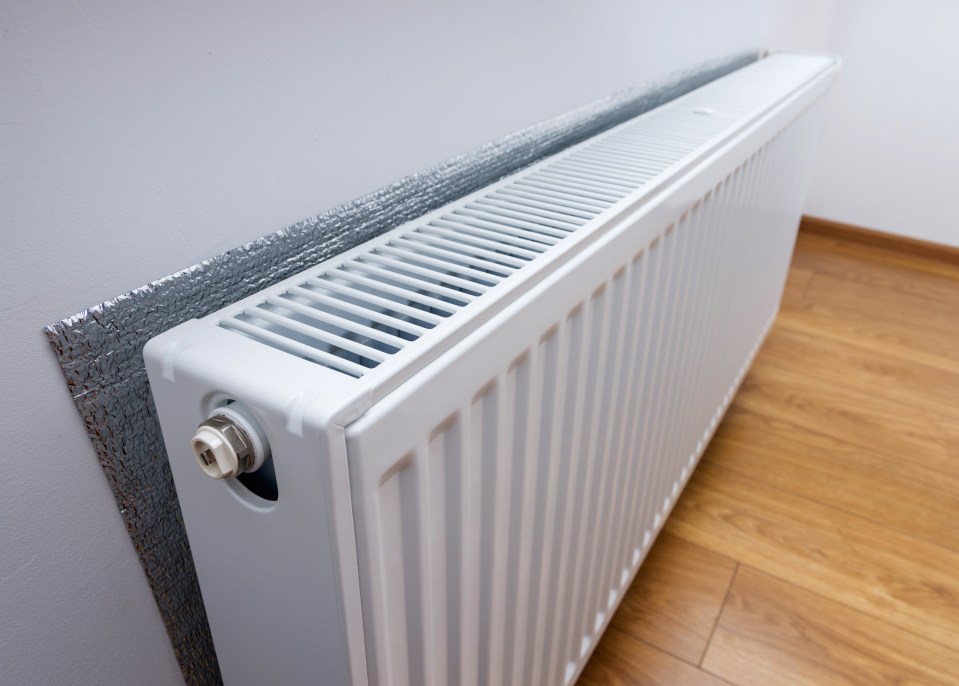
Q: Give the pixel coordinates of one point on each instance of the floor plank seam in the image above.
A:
(722, 606)
(655, 647)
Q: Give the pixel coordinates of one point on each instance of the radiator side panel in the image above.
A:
(279, 577)
(506, 495)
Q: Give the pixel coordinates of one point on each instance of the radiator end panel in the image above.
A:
(279, 576)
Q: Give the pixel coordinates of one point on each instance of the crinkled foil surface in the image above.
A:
(100, 349)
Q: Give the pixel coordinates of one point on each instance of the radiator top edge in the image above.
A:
(374, 315)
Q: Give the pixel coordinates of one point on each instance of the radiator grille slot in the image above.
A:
(359, 311)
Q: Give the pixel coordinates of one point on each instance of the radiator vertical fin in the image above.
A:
(536, 502)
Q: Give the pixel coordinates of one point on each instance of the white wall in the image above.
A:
(138, 138)
(889, 155)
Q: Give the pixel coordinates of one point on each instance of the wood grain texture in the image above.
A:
(676, 597)
(620, 659)
(872, 420)
(844, 557)
(771, 632)
(865, 317)
(791, 352)
(833, 484)
(914, 500)
(875, 268)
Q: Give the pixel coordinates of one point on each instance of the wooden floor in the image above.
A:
(818, 540)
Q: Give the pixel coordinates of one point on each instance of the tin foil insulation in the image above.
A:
(100, 349)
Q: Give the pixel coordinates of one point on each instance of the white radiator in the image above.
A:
(479, 421)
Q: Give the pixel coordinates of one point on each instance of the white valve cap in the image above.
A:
(229, 443)
(214, 453)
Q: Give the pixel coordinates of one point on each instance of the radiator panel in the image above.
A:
(504, 499)
(476, 441)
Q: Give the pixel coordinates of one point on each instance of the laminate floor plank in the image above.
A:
(906, 327)
(873, 421)
(879, 267)
(621, 660)
(829, 494)
(864, 565)
(915, 500)
(772, 632)
(676, 597)
(904, 382)
(857, 331)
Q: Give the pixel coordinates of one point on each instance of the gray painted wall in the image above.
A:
(137, 139)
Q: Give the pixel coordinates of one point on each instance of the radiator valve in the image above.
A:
(229, 442)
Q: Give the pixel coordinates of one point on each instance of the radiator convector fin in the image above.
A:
(414, 279)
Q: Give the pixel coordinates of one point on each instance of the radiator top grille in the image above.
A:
(355, 311)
